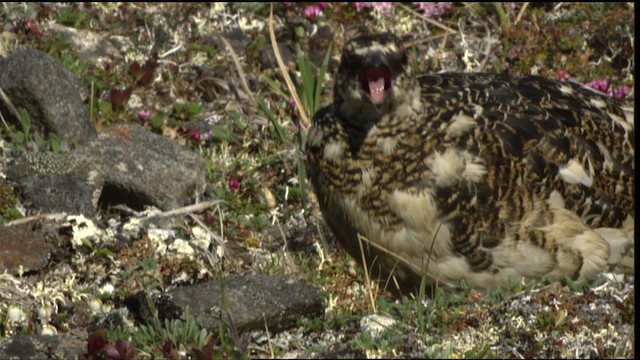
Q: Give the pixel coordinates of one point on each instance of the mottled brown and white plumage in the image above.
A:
(478, 176)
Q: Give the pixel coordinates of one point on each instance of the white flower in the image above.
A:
(181, 247)
(15, 314)
(82, 228)
(44, 312)
(95, 305)
(48, 330)
(201, 237)
(107, 289)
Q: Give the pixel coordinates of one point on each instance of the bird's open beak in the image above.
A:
(375, 82)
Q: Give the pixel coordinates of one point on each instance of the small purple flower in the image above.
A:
(292, 103)
(620, 93)
(144, 115)
(209, 219)
(207, 135)
(167, 349)
(601, 85)
(194, 134)
(433, 9)
(312, 11)
(362, 5)
(384, 7)
(562, 75)
(234, 184)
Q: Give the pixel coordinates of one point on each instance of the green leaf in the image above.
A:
(25, 122)
(86, 242)
(320, 80)
(277, 87)
(193, 109)
(39, 140)
(278, 131)
(158, 120)
(103, 252)
(54, 143)
(19, 138)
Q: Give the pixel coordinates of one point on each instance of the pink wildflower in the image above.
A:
(208, 135)
(384, 7)
(234, 184)
(619, 93)
(601, 85)
(362, 5)
(144, 115)
(312, 11)
(292, 103)
(562, 75)
(434, 9)
(194, 135)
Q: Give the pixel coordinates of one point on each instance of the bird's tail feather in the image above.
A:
(621, 247)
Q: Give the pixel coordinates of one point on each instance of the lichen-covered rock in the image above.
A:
(39, 84)
(250, 301)
(141, 168)
(55, 183)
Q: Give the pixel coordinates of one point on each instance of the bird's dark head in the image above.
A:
(374, 78)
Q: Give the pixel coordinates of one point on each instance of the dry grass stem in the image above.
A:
(5, 99)
(304, 118)
(183, 210)
(427, 19)
(400, 258)
(367, 279)
(266, 329)
(243, 78)
(521, 13)
(39, 217)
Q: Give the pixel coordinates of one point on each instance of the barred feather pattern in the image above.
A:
(484, 177)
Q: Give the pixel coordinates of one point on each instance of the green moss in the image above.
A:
(8, 204)
(51, 162)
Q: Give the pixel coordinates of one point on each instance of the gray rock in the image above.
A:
(247, 302)
(63, 346)
(58, 193)
(142, 168)
(22, 246)
(56, 183)
(37, 83)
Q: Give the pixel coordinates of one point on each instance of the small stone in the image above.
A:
(376, 324)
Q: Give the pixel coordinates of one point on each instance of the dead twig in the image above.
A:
(487, 53)
(183, 210)
(367, 279)
(24, 220)
(304, 118)
(402, 259)
(428, 20)
(12, 109)
(521, 13)
(243, 78)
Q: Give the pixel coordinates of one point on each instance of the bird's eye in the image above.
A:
(348, 50)
(403, 54)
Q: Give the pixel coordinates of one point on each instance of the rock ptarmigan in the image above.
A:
(482, 177)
